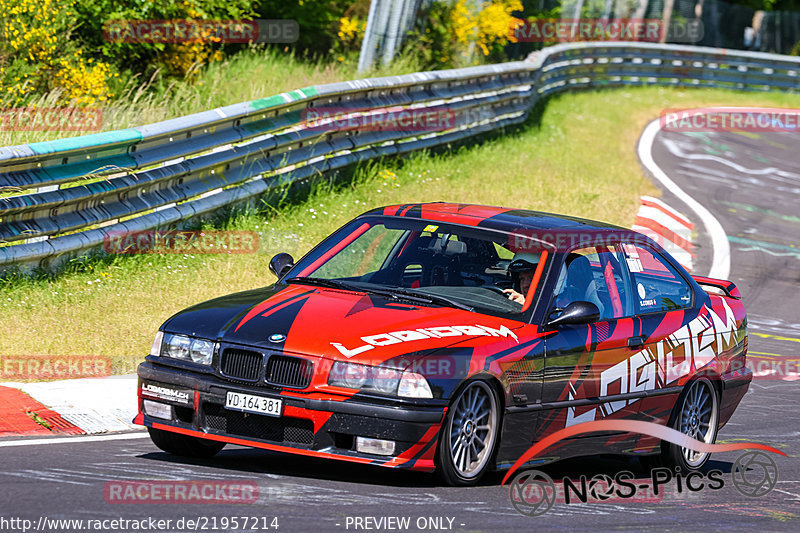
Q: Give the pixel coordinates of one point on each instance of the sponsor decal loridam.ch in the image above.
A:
(395, 337)
(664, 363)
(159, 392)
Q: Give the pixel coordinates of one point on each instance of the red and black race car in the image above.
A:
(451, 337)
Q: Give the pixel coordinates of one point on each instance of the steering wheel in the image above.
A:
(496, 289)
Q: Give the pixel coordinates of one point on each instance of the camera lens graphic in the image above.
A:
(754, 474)
(601, 487)
(532, 493)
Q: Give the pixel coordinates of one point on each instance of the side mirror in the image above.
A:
(280, 264)
(577, 313)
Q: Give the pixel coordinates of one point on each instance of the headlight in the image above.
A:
(201, 351)
(187, 349)
(363, 377)
(414, 386)
(177, 347)
(354, 376)
(379, 379)
(385, 380)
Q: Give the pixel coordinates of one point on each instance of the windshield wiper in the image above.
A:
(321, 282)
(430, 298)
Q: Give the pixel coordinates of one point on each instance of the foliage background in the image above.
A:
(56, 48)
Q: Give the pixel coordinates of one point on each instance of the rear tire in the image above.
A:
(696, 414)
(469, 435)
(184, 445)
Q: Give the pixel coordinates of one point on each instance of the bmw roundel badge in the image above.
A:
(277, 337)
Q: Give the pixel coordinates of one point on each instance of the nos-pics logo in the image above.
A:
(533, 492)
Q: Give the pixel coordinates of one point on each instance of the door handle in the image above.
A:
(636, 342)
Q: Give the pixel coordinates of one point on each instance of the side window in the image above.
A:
(596, 275)
(658, 285)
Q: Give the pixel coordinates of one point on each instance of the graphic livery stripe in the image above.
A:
(266, 306)
(514, 349)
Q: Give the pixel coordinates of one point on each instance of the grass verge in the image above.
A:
(579, 159)
(249, 75)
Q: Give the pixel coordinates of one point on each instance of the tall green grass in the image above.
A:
(249, 75)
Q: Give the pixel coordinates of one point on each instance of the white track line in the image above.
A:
(721, 263)
(70, 440)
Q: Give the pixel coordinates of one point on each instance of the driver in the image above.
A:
(521, 270)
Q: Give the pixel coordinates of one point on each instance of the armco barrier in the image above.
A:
(59, 198)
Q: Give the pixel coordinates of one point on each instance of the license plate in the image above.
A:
(237, 401)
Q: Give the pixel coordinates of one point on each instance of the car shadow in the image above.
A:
(255, 461)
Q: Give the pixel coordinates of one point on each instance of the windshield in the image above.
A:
(422, 262)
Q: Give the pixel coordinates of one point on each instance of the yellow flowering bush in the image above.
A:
(83, 83)
(488, 28)
(184, 59)
(351, 32)
(464, 23)
(457, 32)
(58, 47)
(37, 56)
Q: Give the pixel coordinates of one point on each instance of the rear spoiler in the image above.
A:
(727, 286)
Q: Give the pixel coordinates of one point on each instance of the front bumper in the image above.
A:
(322, 427)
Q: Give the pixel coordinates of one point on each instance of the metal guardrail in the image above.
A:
(60, 198)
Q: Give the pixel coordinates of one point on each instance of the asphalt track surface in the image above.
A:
(750, 183)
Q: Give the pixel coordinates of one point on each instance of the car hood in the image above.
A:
(335, 324)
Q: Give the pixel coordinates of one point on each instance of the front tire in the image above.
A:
(469, 435)
(184, 445)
